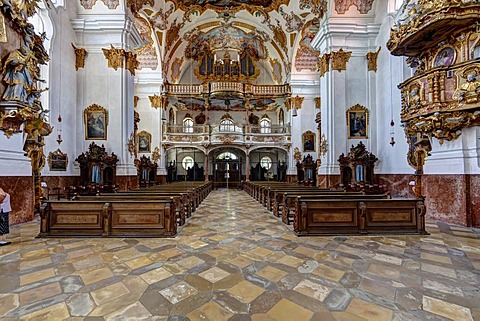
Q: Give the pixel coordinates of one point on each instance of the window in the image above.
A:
(266, 162)
(265, 126)
(188, 125)
(227, 125)
(227, 155)
(187, 162)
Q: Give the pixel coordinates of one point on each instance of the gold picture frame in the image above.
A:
(308, 141)
(144, 142)
(57, 161)
(96, 122)
(357, 122)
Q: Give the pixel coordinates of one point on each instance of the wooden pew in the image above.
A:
(357, 217)
(116, 218)
(178, 201)
(289, 201)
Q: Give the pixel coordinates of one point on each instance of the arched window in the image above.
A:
(266, 162)
(188, 125)
(187, 162)
(265, 126)
(281, 117)
(227, 155)
(227, 125)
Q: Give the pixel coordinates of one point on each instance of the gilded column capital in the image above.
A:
(340, 59)
(80, 55)
(158, 101)
(372, 60)
(131, 61)
(324, 64)
(114, 56)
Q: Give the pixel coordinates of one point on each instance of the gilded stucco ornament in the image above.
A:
(158, 101)
(115, 57)
(443, 126)
(324, 64)
(372, 60)
(339, 59)
(131, 62)
(317, 7)
(80, 55)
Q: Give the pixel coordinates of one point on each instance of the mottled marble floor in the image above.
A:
(235, 261)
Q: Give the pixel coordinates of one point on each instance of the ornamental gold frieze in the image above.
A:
(443, 126)
(115, 57)
(422, 24)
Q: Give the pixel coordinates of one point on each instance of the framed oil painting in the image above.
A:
(308, 140)
(445, 57)
(357, 122)
(96, 121)
(144, 142)
(57, 161)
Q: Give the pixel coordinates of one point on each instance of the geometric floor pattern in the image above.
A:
(234, 260)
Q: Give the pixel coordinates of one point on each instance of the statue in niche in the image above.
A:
(470, 90)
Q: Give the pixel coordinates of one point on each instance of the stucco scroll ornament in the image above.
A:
(114, 56)
(131, 145)
(372, 60)
(340, 59)
(158, 101)
(156, 154)
(80, 55)
(297, 155)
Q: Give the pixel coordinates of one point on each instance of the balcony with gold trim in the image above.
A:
(216, 134)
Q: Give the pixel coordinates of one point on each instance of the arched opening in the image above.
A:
(227, 167)
(268, 164)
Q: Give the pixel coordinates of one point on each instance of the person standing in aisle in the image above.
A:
(5, 208)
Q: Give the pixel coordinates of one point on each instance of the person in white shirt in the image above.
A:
(5, 208)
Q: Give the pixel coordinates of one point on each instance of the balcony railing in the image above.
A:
(227, 86)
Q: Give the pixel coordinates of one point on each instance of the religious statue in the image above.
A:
(470, 90)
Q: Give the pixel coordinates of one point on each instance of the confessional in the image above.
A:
(307, 171)
(195, 173)
(146, 172)
(357, 169)
(98, 170)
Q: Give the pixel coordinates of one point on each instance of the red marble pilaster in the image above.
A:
(21, 193)
(475, 200)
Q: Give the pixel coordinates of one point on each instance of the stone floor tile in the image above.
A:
(234, 260)
(446, 309)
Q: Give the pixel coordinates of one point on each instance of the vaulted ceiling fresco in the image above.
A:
(261, 38)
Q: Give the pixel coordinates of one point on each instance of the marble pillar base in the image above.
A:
(21, 193)
(449, 198)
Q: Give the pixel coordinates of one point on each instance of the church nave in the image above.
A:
(233, 260)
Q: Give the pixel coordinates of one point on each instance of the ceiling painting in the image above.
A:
(146, 55)
(232, 5)
(224, 37)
